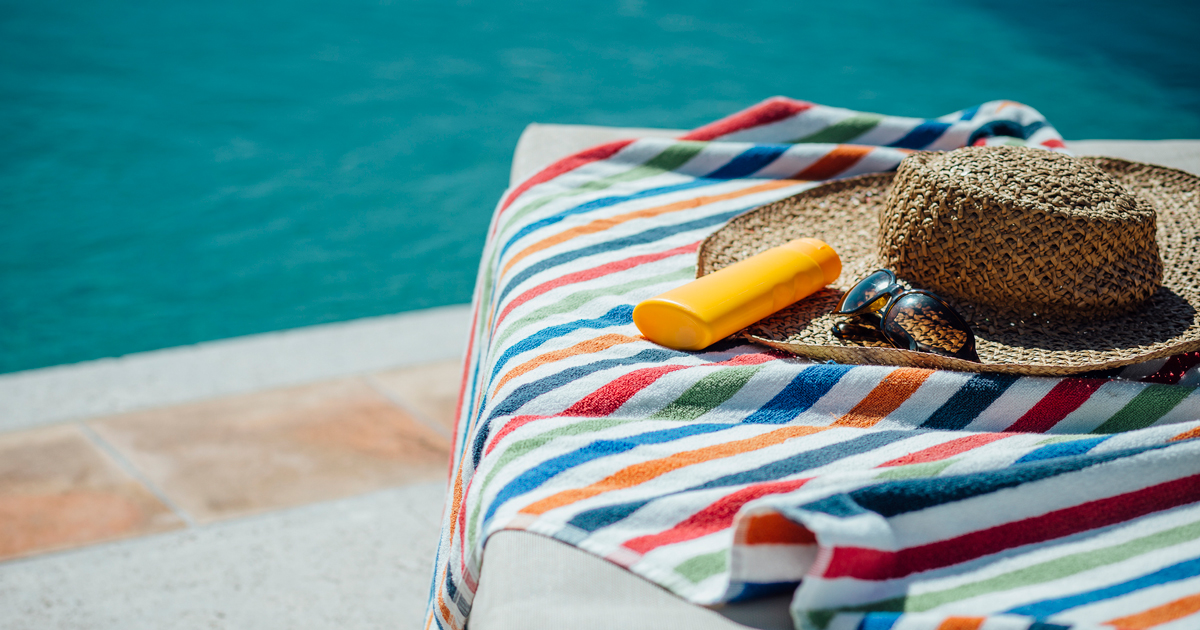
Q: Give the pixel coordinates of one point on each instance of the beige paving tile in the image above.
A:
(245, 454)
(57, 490)
(430, 390)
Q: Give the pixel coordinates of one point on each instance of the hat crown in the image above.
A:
(1027, 231)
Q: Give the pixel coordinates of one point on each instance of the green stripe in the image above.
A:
(576, 300)
(1041, 573)
(819, 618)
(914, 471)
(845, 130)
(675, 156)
(1059, 439)
(1145, 409)
(670, 159)
(522, 447)
(707, 393)
(697, 569)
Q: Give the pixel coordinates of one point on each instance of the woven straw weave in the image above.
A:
(846, 214)
(1030, 233)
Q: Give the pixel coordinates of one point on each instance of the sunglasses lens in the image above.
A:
(920, 321)
(857, 331)
(868, 290)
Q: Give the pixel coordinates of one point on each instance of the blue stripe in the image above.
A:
(618, 316)
(902, 496)
(922, 135)
(969, 401)
(798, 396)
(1007, 128)
(1062, 449)
(529, 391)
(746, 163)
(594, 519)
(540, 474)
(1174, 573)
(839, 505)
(758, 590)
(451, 588)
(811, 459)
(648, 236)
(968, 114)
(879, 621)
(469, 400)
(750, 161)
(603, 203)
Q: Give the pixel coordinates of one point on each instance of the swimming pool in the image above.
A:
(174, 173)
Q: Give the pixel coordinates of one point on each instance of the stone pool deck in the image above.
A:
(285, 480)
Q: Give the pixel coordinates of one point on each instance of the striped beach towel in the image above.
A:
(881, 497)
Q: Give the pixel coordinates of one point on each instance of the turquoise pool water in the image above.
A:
(173, 173)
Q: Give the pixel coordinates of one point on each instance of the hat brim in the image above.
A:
(845, 213)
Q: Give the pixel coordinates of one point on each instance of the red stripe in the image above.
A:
(1174, 368)
(608, 399)
(462, 531)
(1054, 144)
(594, 154)
(466, 374)
(873, 564)
(771, 110)
(720, 514)
(590, 274)
(509, 427)
(946, 449)
(1054, 406)
(717, 516)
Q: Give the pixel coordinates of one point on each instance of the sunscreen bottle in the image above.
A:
(708, 309)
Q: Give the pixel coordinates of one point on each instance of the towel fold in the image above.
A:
(882, 497)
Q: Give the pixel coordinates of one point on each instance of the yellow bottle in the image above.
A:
(708, 309)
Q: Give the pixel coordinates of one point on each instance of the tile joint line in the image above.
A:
(371, 382)
(126, 465)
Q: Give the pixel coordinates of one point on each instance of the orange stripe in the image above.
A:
(841, 158)
(455, 504)
(645, 471)
(774, 529)
(1170, 611)
(961, 623)
(600, 225)
(887, 396)
(456, 500)
(1187, 435)
(602, 342)
(445, 611)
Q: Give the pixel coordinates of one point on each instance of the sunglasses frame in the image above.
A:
(894, 291)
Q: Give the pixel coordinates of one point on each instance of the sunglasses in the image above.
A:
(882, 310)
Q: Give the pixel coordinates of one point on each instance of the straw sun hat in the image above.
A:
(1062, 265)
